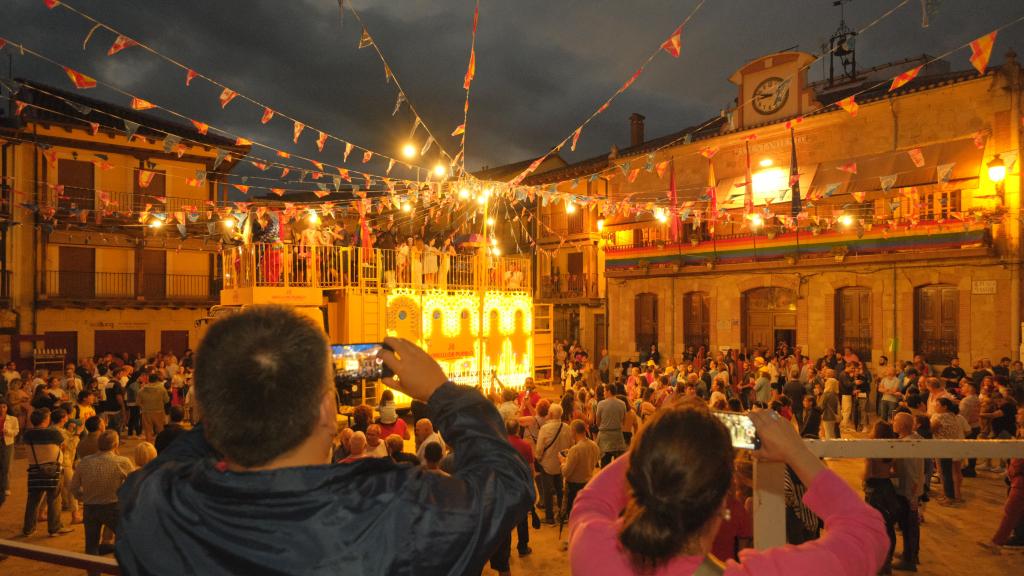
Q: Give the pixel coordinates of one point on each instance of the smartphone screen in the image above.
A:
(741, 428)
(354, 362)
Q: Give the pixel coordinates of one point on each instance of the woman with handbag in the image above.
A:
(44, 473)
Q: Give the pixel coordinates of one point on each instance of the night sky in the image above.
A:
(542, 65)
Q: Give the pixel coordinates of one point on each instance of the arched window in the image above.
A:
(936, 313)
(646, 308)
(696, 320)
(853, 321)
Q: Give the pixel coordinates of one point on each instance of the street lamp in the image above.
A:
(997, 172)
(408, 150)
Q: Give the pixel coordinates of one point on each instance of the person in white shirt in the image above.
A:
(8, 433)
(11, 372)
(72, 383)
(375, 446)
(425, 434)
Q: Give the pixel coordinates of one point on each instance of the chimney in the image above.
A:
(636, 129)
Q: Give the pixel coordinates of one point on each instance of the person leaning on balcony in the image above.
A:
(152, 399)
(673, 489)
(256, 470)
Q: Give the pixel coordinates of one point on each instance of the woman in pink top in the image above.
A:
(657, 510)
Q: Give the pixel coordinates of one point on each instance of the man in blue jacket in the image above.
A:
(250, 490)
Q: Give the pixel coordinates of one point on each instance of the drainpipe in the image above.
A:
(895, 299)
(1013, 79)
(39, 249)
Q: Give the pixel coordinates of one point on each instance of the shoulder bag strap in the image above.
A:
(553, 438)
(34, 457)
(711, 566)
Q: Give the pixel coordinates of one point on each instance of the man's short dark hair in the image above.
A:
(58, 415)
(176, 414)
(92, 423)
(260, 377)
(433, 453)
(83, 395)
(38, 416)
(107, 441)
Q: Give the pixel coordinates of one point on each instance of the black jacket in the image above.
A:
(182, 515)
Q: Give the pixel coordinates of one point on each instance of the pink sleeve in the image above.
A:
(854, 544)
(593, 524)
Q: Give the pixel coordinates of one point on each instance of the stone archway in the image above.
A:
(769, 316)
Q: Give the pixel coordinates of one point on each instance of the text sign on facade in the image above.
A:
(983, 287)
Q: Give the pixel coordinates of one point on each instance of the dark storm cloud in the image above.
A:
(542, 65)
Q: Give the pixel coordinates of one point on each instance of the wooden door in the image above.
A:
(853, 320)
(646, 324)
(118, 341)
(154, 274)
(175, 341)
(79, 181)
(696, 320)
(600, 337)
(936, 309)
(66, 340)
(77, 272)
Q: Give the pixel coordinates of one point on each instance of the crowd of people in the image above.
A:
(71, 426)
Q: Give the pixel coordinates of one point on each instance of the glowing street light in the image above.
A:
(156, 223)
(756, 221)
(463, 193)
(440, 171)
(660, 215)
(406, 207)
(409, 151)
(229, 222)
(846, 220)
(490, 221)
(570, 208)
(765, 163)
(313, 218)
(496, 251)
(600, 224)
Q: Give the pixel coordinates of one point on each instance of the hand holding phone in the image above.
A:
(418, 374)
(741, 429)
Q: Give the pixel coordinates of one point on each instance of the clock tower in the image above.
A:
(771, 88)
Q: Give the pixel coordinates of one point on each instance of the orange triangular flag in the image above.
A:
(674, 43)
(471, 70)
(296, 130)
(859, 196)
(905, 77)
(140, 104)
(121, 43)
(575, 138)
(981, 51)
(80, 80)
(145, 177)
(348, 150)
(189, 76)
(226, 96)
(278, 191)
(366, 156)
(267, 115)
(243, 142)
(320, 141)
(200, 127)
(283, 154)
(849, 104)
(242, 188)
(51, 4)
(460, 129)
(661, 167)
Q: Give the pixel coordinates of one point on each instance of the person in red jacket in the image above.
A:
(1013, 511)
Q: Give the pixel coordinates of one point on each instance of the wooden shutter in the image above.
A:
(79, 180)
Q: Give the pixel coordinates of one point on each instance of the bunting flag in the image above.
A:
(575, 138)
(221, 156)
(633, 174)
(887, 182)
(51, 4)
(297, 129)
(201, 127)
(278, 191)
(319, 165)
(170, 143)
(673, 46)
(709, 152)
(979, 139)
(917, 157)
(981, 51)
(94, 127)
(364, 39)
(3, 43)
(900, 80)
(944, 172)
(51, 157)
(426, 146)
(226, 96)
(348, 150)
(849, 168)
(120, 43)
(748, 195)
(344, 174)
(145, 177)
(660, 168)
(366, 156)
(81, 81)
(794, 177)
(19, 107)
(849, 104)
(391, 164)
(831, 189)
(140, 104)
(261, 166)
(243, 141)
(267, 115)
(241, 188)
(130, 129)
(859, 196)
(321, 139)
(284, 172)
(470, 70)
(189, 76)
(398, 102)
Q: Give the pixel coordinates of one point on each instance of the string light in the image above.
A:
(756, 220)
(496, 251)
(490, 221)
(846, 220)
(766, 162)
(600, 224)
(229, 222)
(481, 199)
(440, 171)
(570, 208)
(406, 207)
(409, 151)
(463, 193)
(156, 223)
(313, 218)
(660, 215)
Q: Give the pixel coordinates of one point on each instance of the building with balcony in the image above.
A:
(907, 239)
(82, 269)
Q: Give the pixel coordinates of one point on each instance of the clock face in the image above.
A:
(770, 95)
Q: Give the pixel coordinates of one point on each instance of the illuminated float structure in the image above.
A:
(475, 315)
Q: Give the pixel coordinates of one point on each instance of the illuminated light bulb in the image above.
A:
(496, 251)
(408, 150)
(494, 241)
(481, 199)
(756, 220)
(313, 218)
(156, 223)
(661, 216)
(765, 163)
(486, 192)
(229, 222)
(464, 193)
(440, 171)
(490, 221)
(570, 208)
(996, 169)
(600, 224)
(846, 220)
(406, 207)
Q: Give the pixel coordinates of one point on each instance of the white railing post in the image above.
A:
(769, 504)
